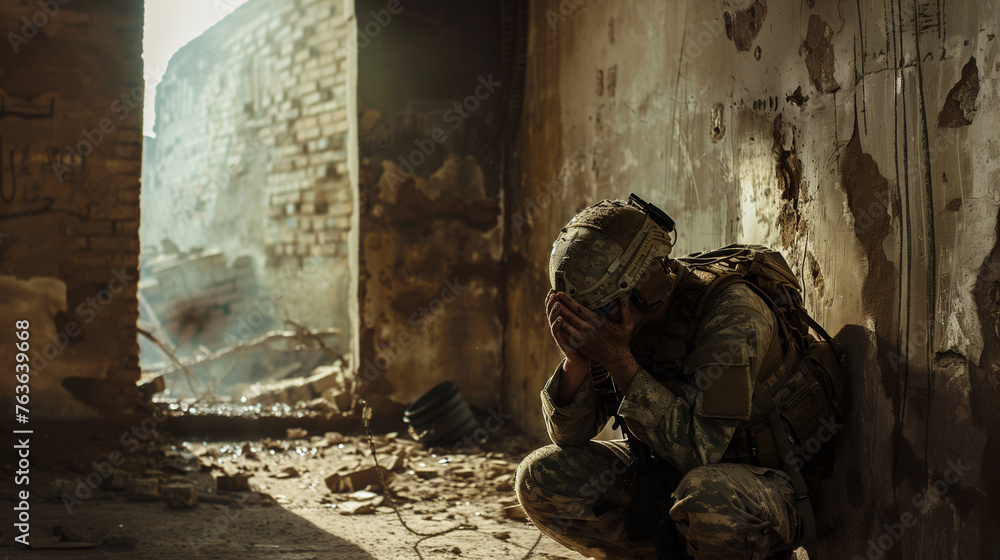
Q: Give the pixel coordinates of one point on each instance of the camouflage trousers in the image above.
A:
(575, 494)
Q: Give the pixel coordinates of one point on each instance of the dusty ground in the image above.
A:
(289, 512)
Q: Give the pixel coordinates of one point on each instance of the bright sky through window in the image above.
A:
(169, 25)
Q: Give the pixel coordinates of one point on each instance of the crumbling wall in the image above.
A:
(430, 230)
(250, 155)
(859, 139)
(70, 149)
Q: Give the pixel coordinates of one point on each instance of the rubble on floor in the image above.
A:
(328, 469)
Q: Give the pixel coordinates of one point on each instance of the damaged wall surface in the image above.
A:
(859, 139)
(251, 157)
(70, 156)
(430, 229)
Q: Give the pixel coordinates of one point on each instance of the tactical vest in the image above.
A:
(802, 376)
(800, 386)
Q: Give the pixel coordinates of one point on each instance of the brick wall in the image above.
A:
(250, 154)
(70, 146)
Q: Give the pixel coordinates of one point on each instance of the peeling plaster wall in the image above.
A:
(859, 138)
(70, 146)
(430, 228)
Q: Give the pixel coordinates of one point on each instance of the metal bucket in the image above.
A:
(440, 416)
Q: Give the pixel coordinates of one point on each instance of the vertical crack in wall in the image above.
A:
(788, 171)
(718, 126)
(815, 273)
(743, 26)
(819, 55)
(960, 105)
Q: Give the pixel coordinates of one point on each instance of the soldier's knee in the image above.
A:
(526, 476)
(708, 485)
(707, 495)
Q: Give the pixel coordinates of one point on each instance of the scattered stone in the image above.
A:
(355, 508)
(296, 433)
(119, 480)
(336, 437)
(181, 495)
(362, 495)
(514, 512)
(287, 472)
(504, 483)
(356, 480)
(390, 462)
(234, 483)
(144, 489)
(342, 400)
(321, 404)
(426, 472)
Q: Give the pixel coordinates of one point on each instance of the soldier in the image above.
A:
(620, 311)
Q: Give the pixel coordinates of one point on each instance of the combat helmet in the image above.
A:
(605, 253)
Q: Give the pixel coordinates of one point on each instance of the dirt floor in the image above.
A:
(288, 512)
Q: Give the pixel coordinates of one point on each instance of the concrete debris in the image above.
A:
(235, 483)
(514, 511)
(296, 433)
(144, 489)
(331, 383)
(504, 483)
(355, 508)
(362, 495)
(334, 438)
(424, 483)
(357, 480)
(182, 495)
(119, 480)
(150, 385)
(287, 472)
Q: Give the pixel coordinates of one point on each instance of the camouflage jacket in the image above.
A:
(665, 405)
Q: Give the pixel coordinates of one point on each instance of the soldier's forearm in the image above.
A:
(573, 374)
(623, 371)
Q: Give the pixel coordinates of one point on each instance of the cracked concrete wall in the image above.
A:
(70, 154)
(859, 138)
(430, 231)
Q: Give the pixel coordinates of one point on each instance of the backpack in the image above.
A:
(801, 394)
(808, 385)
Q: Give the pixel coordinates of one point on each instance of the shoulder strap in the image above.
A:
(803, 505)
(722, 280)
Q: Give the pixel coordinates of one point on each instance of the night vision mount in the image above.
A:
(654, 212)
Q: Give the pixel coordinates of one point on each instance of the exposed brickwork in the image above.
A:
(70, 143)
(250, 154)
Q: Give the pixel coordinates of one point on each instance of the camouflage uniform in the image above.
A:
(574, 490)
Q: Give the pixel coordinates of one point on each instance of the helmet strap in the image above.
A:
(653, 290)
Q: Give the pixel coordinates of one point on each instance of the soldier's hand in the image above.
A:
(567, 345)
(576, 366)
(597, 338)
